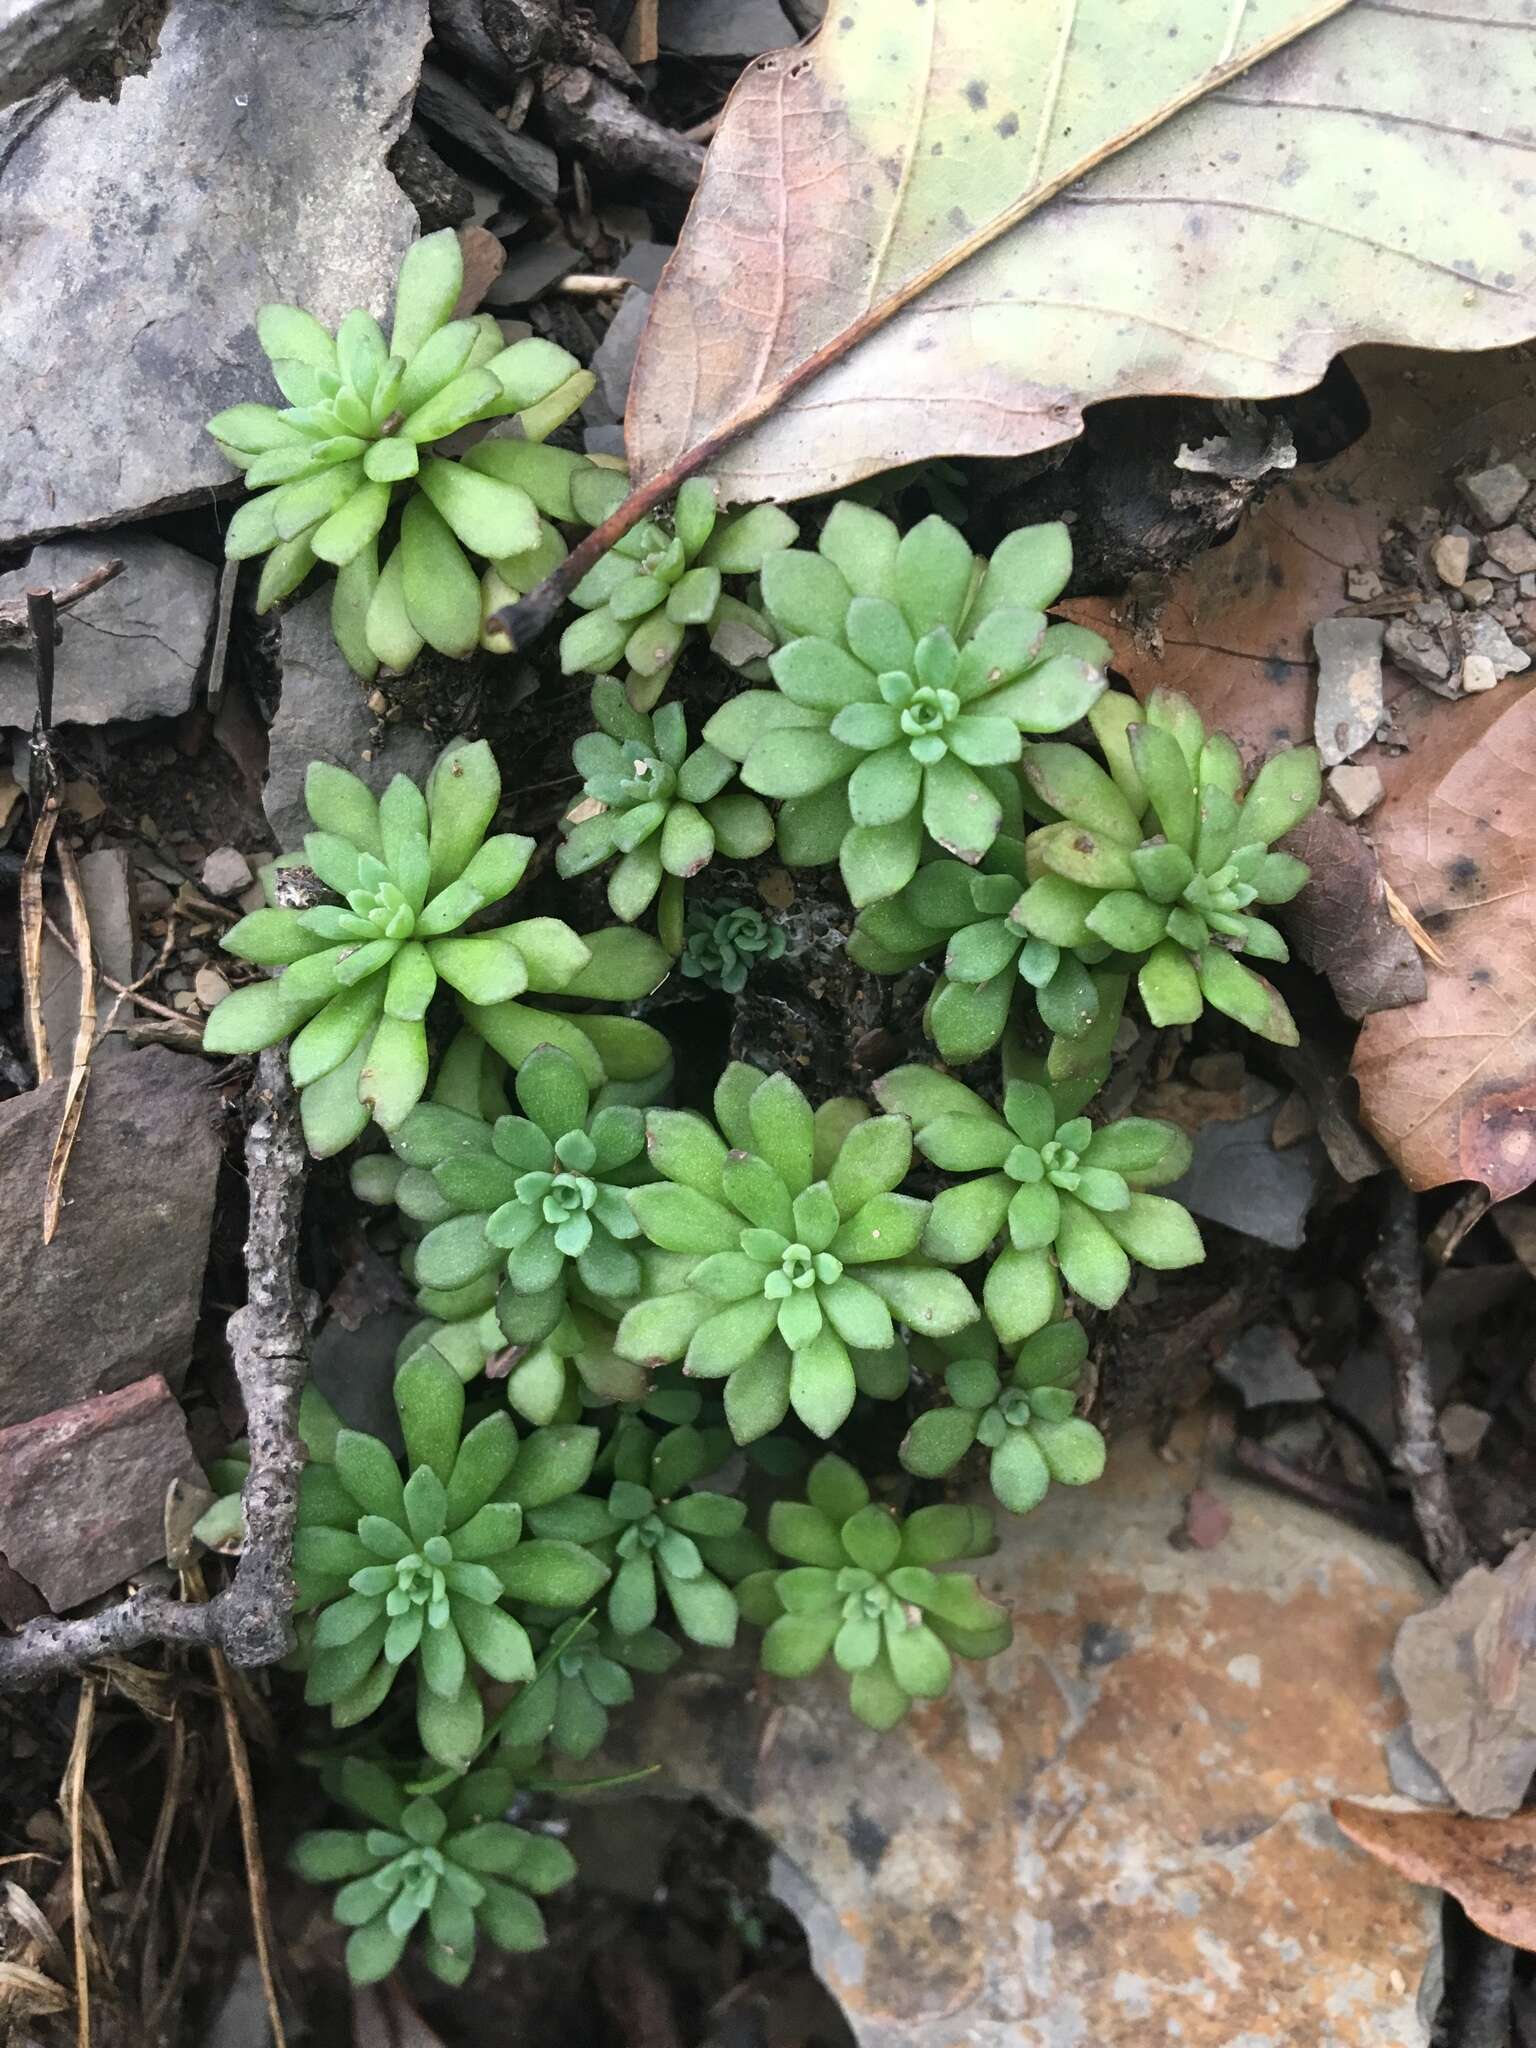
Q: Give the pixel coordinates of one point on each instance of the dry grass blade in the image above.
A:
(37, 1995)
(1399, 913)
(85, 1040)
(72, 1800)
(32, 936)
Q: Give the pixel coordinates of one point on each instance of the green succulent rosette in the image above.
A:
(910, 675)
(1023, 1416)
(663, 810)
(1070, 1197)
(788, 1250)
(670, 1539)
(415, 1568)
(666, 575)
(354, 444)
(862, 1590)
(1162, 856)
(723, 942)
(541, 1197)
(585, 1673)
(358, 974)
(447, 1867)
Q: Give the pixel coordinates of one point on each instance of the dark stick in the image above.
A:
(1481, 2004)
(585, 112)
(1394, 1285)
(250, 1621)
(1377, 1517)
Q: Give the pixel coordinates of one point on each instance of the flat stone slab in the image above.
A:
(323, 715)
(115, 1296)
(82, 1491)
(247, 166)
(1116, 1833)
(133, 649)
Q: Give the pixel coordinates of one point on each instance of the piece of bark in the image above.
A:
(440, 196)
(1340, 925)
(586, 113)
(442, 102)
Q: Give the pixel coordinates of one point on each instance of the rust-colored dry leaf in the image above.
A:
(1488, 1866)
(968, 219)
(1235, 631)
(1449, 1085)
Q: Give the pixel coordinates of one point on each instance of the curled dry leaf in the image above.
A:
(1485, 1865)
(1340, 925)
(966, 220)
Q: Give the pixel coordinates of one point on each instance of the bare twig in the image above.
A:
(15, 623)
(269, 1338)
(588, 113)
(1394, 1284)
(587, 285)
(1381, 1518)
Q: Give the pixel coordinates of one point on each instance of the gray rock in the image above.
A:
(1262, 1365)
(1355, 791)
(1513, 549)
(1349, 699)
(1238, 1178)
(1452, 557)
(355, 1370)
(1419, 652)
(82, 1490)
(115, 1296)
(1480, 634)
(323, 716)
(41, 38)
(133, 649)
(1494, 494)
(1411, 1775)
(614, 362)
(247, 166)
(1098, 1838)
(226, 871)
(724, 28)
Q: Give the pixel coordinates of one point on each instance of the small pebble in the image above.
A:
(378, 703)
(1463, 1428)
(1477, 590)
(1478, 673)
(226, 872)
(186, 1002)
(1452, 557)
(1355, 791)
(1512, 548)
(209, 986)
(1494, 494)
(1362, 585)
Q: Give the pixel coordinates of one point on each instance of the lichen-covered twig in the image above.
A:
(1395, 1287)
(250, 1620)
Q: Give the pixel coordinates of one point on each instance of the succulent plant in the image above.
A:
(664, 576)
(1070, 1197)
(910, 675)
(1162, 857)
(647, 798)
(773, 1235)
(585, 1675)
(724, 940)
(358, 975)
(1024, 1418)
(448, 1860)
(861, 1588)
(415, 1568)
(362, 416)
(541, 1195)
(664, 1531)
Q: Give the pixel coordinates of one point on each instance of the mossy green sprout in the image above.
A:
(354, 444)
(861, 1588)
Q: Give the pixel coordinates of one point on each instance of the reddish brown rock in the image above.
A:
(1117, 1833)
(82, 1491)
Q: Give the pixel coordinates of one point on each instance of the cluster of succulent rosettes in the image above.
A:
(1024, 1417)
(413, 1568)
(1161, 857)
(910, 675)
(1069, 1197)
(409, 870)
(361, 418)
(666, 575)
(861, 1587)
(647, 798)
(447, 1864)
(584, 1673)
(538, 1197)
(789, 1253)
(723, 941)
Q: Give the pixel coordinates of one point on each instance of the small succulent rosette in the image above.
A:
(585, 1673)
(1023, 1415)
(666, 575)
(445, 1867)
(662, 810)
(535, 1200)
(1162, 856)
(664, 1532)
(910, 674)
(1068, 1198)
(788, 1249)
(406, 872)
(415, 1569)
(724, 941)
(861, 1588)
(353, 447)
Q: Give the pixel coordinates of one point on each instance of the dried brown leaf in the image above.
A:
(1488, 1866)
